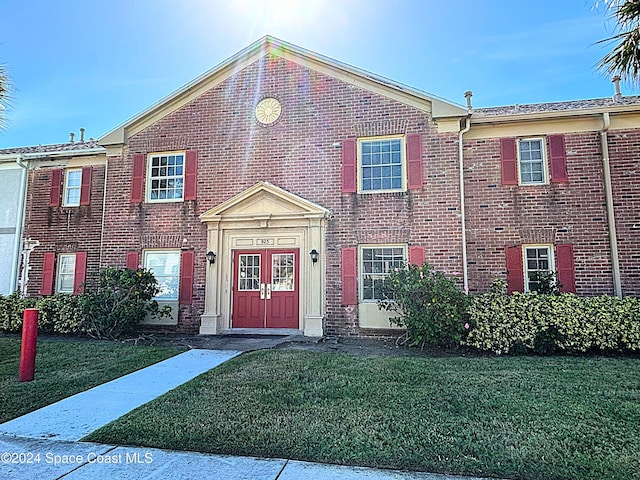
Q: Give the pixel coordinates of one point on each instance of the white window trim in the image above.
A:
(361, 248)
(147, 183)
(403, 162)
(66, 187)
(545, 161)
(164, 251)
(58, 273)
(552, 261)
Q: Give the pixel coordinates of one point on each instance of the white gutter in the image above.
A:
(17, 244)
(465, 269)
(62, 153)
(608, 191)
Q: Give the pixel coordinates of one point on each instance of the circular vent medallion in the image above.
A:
(268, 110)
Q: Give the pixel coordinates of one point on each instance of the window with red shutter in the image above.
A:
(190, 174)
(349, 276)
(509, 160)
(137, 177)
(85, 189)
(349, 165)
(48, 271)
(566, 270)
(186, 277)
(558, 158)
(416, 255)
(515, 269)
(80, 273)
(56, 187)
(414, 161)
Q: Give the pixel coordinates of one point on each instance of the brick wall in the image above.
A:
(625, 169)
(63, 229)
(573, 212)
(297, 154)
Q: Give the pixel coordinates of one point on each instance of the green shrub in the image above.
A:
(11, 311)
(122, 300)
(429, 305)
(62, 314)
(538, 323)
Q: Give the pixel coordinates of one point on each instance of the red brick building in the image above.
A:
(276, 190)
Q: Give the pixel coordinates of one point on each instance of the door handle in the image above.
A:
(268, 291)
(262, 291)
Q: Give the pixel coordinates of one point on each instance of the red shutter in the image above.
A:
(56, 187)
(414, 161)
(133, 260)
(137, 177)
(48, 269)
(349, 165)
(349, 277)
(509, 159)
(566, 271)
(515, 270)
(85, 188)
(558, 158)
(190, 174)
(79, 273)
(186, 277)
(416, 255)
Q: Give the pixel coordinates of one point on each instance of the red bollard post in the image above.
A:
(28, 352)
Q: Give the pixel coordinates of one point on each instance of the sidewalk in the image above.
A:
(45, 444)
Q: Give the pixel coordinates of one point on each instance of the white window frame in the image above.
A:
(403, 163)
(150, 178)
(525, 263)
(161, 276)
(545, 165)
(67, 188)
(63, 271)
(361, 269)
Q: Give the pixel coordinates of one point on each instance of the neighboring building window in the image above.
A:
(166, 177)
(381, 164)
(72, 186)
(165, 266)
(375, 264)
(537, 264)
(531, 161)
(66, 273)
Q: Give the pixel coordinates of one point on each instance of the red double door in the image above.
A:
(265, 289)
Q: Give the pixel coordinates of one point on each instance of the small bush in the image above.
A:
(123, 299)
(540, 323)
(428, 304)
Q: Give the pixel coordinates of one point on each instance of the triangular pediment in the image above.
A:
(261, 201)
(436, 106)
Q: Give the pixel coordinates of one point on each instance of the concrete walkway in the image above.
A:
(44, 444)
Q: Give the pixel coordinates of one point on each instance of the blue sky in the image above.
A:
(94, 64)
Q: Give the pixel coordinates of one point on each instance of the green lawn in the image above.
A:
(65, 367)
(514, 417)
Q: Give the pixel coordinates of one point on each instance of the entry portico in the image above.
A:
(262, 238)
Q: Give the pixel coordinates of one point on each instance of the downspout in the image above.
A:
(104, 206)
(608, 191)
(465, 270)
(17, 245)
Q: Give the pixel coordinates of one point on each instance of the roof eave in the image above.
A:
(478, 118)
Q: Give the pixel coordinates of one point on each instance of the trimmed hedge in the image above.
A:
(534, 323)
(123, 299)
